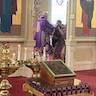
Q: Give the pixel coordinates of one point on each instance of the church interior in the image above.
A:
(47, 48)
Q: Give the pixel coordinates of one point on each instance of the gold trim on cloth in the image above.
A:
(31, 90)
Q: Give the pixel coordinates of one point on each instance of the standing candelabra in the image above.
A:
(7, 67)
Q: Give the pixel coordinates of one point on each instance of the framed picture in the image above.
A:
(85, 24)
(12, 20)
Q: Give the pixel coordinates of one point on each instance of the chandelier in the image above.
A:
(60, 2)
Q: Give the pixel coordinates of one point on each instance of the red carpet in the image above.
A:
(86, 76)
(89, 77)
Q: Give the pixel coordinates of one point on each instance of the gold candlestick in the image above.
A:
(6, 68)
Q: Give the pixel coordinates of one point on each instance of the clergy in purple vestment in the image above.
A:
(44, 30)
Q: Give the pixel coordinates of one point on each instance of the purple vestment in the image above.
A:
(40, 36)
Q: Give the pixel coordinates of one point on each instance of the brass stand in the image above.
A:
(7, 67)
(34, 65)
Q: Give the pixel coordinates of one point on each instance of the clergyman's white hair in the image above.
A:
(44, 13)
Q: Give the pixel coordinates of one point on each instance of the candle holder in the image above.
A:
(34, 65)
(7, 67)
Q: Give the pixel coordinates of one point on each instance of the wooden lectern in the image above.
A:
(55, 72)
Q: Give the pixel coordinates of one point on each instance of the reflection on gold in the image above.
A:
(79, 15)
(17, 17)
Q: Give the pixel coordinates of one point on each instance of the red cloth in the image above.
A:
(14, 6)
(85, 22)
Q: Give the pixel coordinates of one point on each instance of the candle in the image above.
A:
(32, 53)
(51, 39)
(13, 56)
(19, 52)
(44, 53)
(25, 54)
